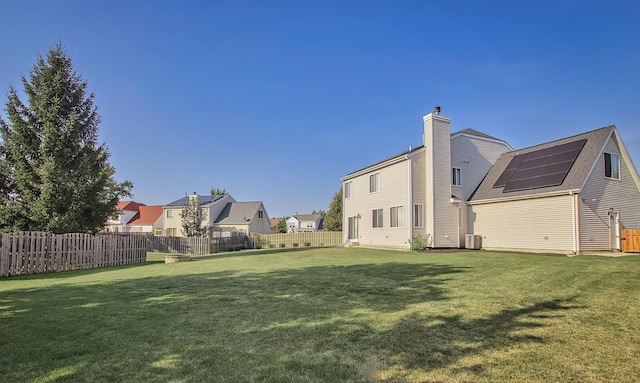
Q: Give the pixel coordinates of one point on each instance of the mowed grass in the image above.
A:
(328, 315)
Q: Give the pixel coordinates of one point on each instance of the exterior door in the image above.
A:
(614, 230)
(353, 228)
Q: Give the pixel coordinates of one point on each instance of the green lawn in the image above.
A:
(328, 315)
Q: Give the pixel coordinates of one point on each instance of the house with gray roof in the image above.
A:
(304, 223)
(470, 189)
(221, 213)
(243, 217)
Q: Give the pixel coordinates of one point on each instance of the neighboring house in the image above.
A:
(243, 217)
(304, 223)
(149, 219)
(273, 222)
(211, 206)
(221, 213)
(559, 196)
(126, 211)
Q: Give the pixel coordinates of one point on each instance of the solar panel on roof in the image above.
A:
(540, 168)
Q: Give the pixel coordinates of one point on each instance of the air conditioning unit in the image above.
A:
(472, 241)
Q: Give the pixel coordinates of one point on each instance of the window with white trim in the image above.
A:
(169, 213)
(612, 166)
(418, 215)
(396, 217)
(376, 219)
(455, 177)
(347, 189)
(374, 183)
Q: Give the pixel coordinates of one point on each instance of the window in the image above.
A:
(612, 166)
(309, 224)
(374, 183)
(456, 177)
(418, 215)
(377, 218)
(260, 214)
(347, 190)
(169, 213)
(397, 216)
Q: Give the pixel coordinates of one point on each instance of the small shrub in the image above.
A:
(295, 244)
(271, 245)
(282, 245)
(307, 244)
(420, 242)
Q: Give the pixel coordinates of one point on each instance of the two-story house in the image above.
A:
(221, 213)
(304, 223)
(569, 195)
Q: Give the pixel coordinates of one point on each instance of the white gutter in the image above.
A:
(531, 196)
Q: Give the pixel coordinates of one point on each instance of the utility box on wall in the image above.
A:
(472, 241)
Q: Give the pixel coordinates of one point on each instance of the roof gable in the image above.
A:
(128, 205)
(238, 212)
(307, 217)
(566, 175)
(147, 215)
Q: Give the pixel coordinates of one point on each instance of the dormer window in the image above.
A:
(612, 166)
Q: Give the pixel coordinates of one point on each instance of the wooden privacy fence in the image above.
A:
(630, 241)
(177, 245)
(30, 252)
(317, 238)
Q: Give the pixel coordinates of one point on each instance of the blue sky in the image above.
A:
(276, 100)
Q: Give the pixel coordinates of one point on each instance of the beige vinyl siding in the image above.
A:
(419, 185)
(441, 215)
(599, 195)
(394, 191)
(474, 157)
(175, 222)
(537, 223)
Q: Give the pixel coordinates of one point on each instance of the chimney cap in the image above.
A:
(436, 110)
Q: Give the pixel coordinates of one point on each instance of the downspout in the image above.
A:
(410, 207)
(575, 208)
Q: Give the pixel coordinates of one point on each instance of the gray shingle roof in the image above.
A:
(468, 131)
(474, 132)
(307, 217)
(238, 213)
(596, 139)
(202, 200)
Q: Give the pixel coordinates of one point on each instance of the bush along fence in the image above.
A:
(31, 252)
(314, 239)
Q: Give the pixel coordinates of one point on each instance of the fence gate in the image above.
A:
(630, 241)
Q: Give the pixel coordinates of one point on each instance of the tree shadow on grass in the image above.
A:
(309, 324)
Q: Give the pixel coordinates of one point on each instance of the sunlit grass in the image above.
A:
(327, 315)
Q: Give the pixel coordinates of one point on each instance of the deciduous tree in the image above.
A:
(55, 175)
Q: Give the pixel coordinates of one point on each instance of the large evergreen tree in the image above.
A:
(54, 175)
(333, 217)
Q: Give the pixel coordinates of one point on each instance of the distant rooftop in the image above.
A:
(202, 200)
